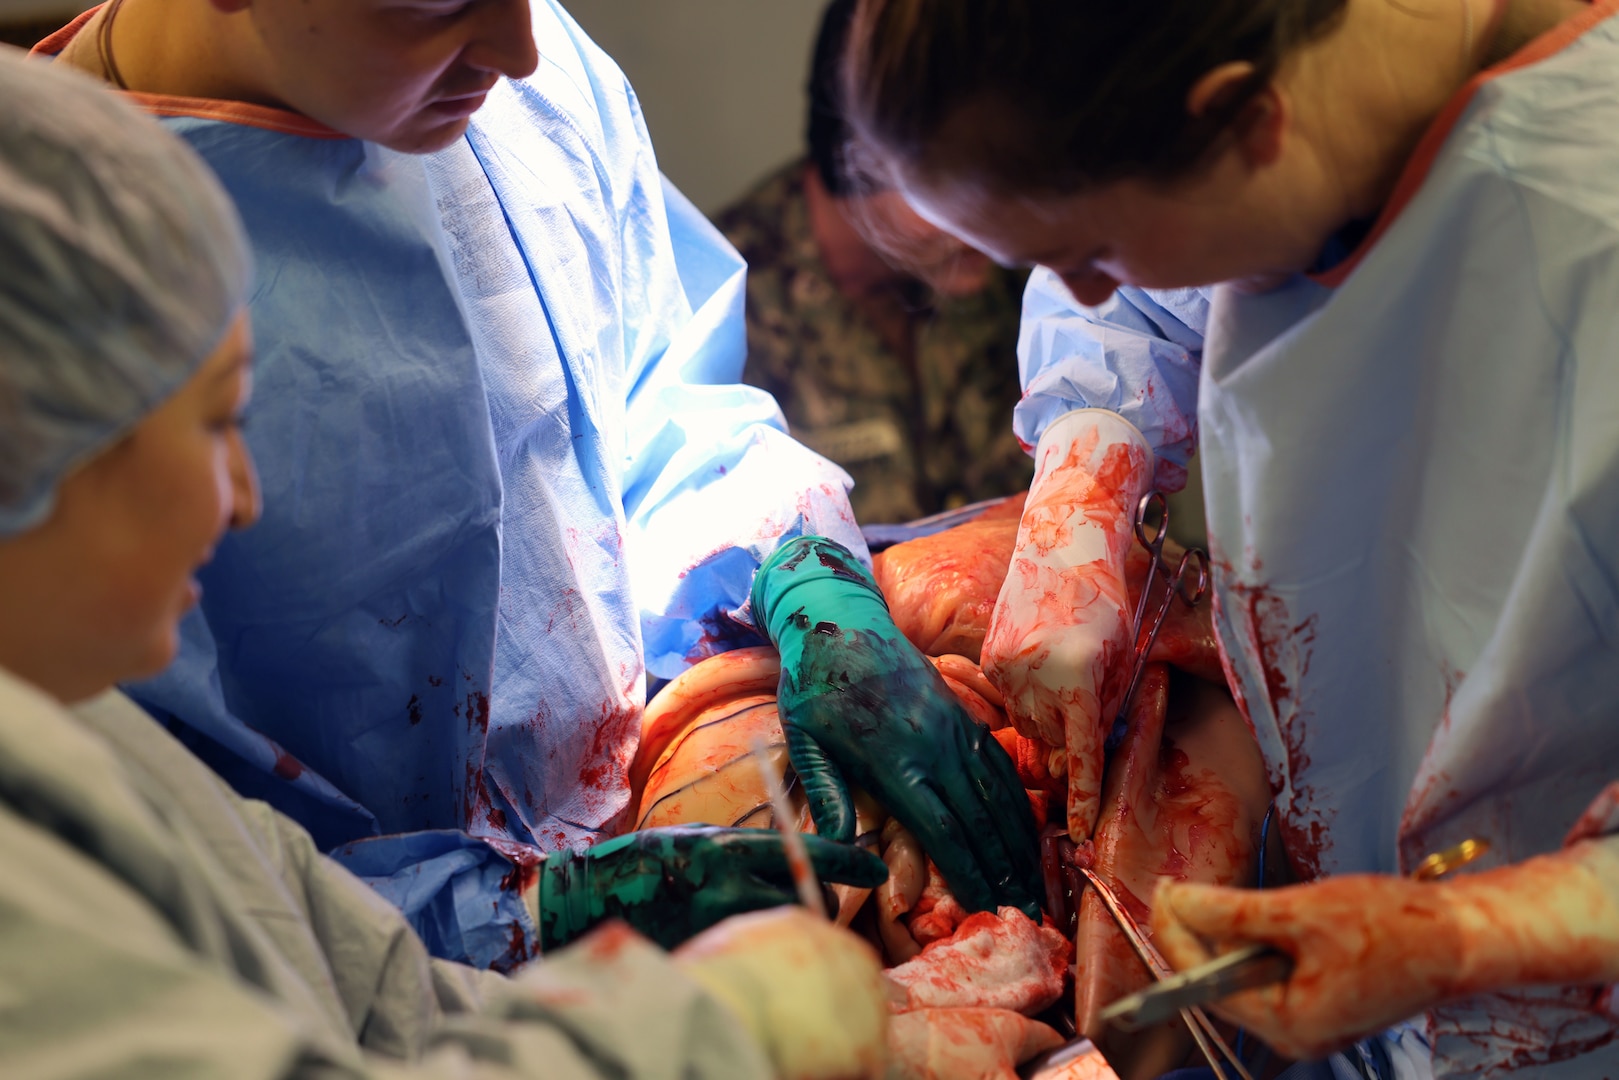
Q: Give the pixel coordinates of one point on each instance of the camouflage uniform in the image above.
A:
(915, 445)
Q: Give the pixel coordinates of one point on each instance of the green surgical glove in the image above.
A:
(673, 882)
(860, 702)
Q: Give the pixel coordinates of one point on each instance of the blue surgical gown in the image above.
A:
(1412, 478)
(1138, 354)
(507, 471)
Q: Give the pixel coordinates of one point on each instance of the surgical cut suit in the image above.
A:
(1412, 471)
(504, 458)
(157, 923)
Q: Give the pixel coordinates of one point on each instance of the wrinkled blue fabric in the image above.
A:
(502, 446)
(887, 535)
(458, 898)
(1138, 354)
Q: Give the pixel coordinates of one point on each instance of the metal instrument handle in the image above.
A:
(1241, 969)
(1192, 572)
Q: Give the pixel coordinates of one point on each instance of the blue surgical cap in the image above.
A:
(122, 265)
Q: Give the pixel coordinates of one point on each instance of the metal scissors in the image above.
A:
(1216, 1051)
(1242, 969)
(1189, 580)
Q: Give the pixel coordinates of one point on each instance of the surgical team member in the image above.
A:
(508, 471)
(1406, 410)
(887, 343)
(153, 922)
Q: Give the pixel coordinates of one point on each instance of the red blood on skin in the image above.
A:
(1172, 764)
(1107, 965)
(980, 710)
(1202, 828)
(1183, 798)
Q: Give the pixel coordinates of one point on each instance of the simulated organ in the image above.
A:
(1182, 799)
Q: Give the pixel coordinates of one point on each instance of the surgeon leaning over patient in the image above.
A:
(1406, 414)
(152, 921)
(508, 470)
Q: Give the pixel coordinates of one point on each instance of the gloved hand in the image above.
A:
(1370, 949)
(672, 882)
(860, 703)
(1058, 646)
(951, 1043)
(811, 994)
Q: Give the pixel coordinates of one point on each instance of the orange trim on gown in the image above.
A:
(231, 112)
(1421, 161)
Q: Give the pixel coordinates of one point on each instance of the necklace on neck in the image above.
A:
(109, 64)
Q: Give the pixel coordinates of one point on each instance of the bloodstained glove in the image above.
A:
(673, 882)
(1059, 644)
(810, 993)
(860, 703)
(1370, 950)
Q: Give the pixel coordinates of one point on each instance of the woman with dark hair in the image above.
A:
(1404, 407)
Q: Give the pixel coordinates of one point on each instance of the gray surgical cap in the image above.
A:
(122, 264)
